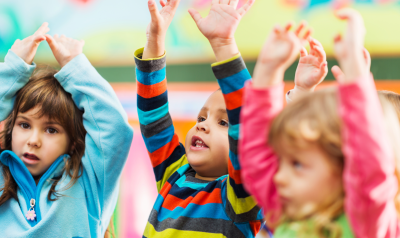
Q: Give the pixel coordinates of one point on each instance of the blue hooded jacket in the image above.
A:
(85, 209)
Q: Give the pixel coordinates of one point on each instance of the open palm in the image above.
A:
(222, 20)
(312, 68)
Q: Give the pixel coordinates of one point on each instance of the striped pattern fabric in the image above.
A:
(187, 206)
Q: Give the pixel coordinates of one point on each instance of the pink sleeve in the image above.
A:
(369, 174)
(258, 161)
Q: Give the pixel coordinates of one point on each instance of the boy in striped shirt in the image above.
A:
(200, 190)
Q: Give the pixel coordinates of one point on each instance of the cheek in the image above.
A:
(189, 136)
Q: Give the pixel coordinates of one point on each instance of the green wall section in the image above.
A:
(382, 68)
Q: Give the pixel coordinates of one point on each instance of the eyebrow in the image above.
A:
(220, 110)
(47, 123)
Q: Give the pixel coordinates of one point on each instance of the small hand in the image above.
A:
(338, 73)
(349, 49)
(26, 48)
(278, 53)
(64, 49)
(312, 68)
(220, 24)
(157, 29)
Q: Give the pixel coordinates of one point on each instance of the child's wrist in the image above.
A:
(153, 49)
(224, 48)
(264, 78)
(301, 89)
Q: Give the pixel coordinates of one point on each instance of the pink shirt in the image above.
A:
(369, 176)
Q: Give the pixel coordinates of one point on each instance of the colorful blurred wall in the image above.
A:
(114, 29)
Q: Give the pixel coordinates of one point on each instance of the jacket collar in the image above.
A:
(25, 180)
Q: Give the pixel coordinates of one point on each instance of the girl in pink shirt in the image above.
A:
(326, 154)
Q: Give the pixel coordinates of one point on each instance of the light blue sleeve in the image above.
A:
(14, 74)
(108, 138)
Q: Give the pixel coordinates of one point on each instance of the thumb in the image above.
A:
(38, 39)
(195, 15)
(303, 52)
(338, 74)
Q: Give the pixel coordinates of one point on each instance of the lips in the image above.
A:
(198, 143)
(30, 158)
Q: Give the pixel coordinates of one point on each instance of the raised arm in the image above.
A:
(369, 175)
(219, 28)
(311, 70)
(109, 135)
(17, 68)
(263, 100)
(167, 154)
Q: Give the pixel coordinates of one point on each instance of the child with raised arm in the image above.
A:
(65, 141)
(324, 165)
(200, 190)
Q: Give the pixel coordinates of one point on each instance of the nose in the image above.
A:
(34, 139)
(203, 126)
(281, 177)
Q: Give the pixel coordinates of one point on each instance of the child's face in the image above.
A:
(307, 180)
(38, 142)
(207, 145)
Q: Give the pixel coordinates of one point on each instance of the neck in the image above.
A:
(205, 178)
(37, 178)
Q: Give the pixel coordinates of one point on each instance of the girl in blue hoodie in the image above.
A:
(65, 141)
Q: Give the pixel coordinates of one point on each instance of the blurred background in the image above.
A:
(114, 29)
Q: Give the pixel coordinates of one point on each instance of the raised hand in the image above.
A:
(220, 24)
(349, 49)
(26, 48)
(312, 67)
(338, 73)
(157, 29)
(64, 48)
(278, 53)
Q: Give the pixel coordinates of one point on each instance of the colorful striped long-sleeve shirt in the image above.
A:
(187, 206)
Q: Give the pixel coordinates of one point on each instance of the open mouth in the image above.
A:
(197, 142)
(30, 158)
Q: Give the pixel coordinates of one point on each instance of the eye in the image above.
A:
(51, 130)
(24, 125)
(297, 165)
(224, 123)
(200, 119)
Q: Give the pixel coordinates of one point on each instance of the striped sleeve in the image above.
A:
(232, 75)
(166, 153)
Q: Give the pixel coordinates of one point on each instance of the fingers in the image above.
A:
(299, 28)
(224, 2)
(317, 50)
(195, 15)
(337, 38)
(162, 3)
(43, 29)
(246, 7)
(174, 4)
(367, 57)
(303, 52)
(288, 26)
(214, 2)
(234, 3)
(52, 42)
(39, 38)
(154, 13)
(338, 74)
(278, 29)
(354, 18)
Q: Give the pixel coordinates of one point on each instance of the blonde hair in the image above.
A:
(393, 128)
(314, 118)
